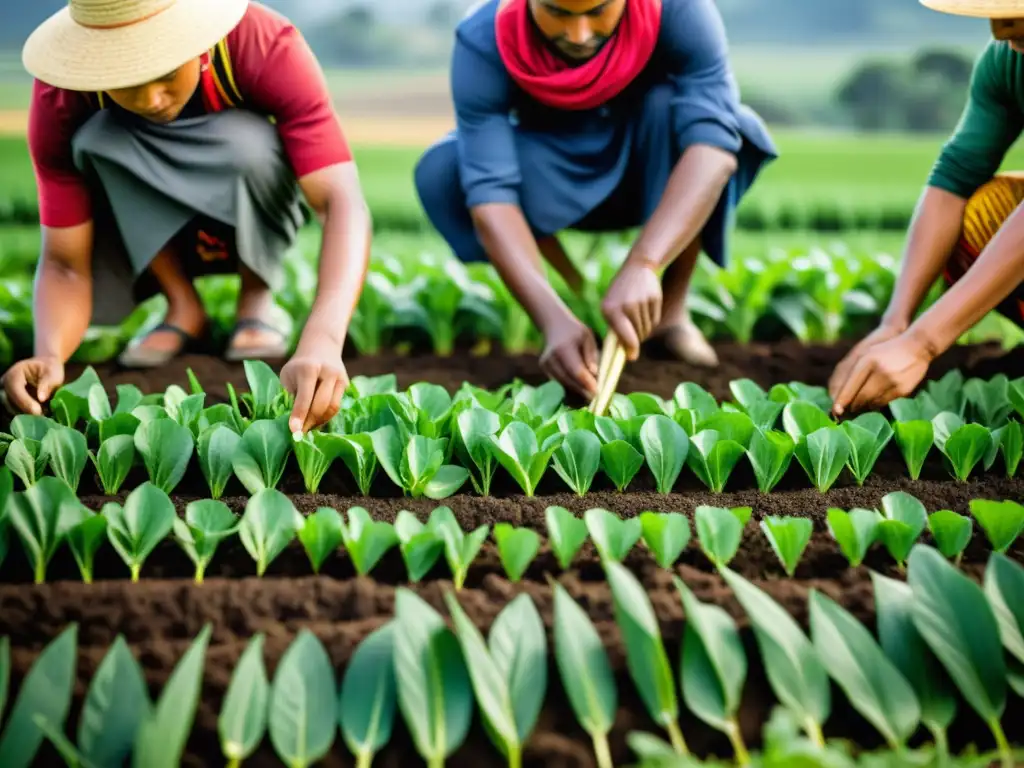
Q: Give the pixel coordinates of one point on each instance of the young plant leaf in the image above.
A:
(460, 549)
(788, 537)
(855, 531)
(795, 672)
(45, 692)
(719, 532)
(666, 535)
(114, 461)
(954, 618)
(321, 535)
(645, 652)
(434, 691)
(242, 723)
(217, 446)
(868, 435)
(166, 449)
(802, 419)
(67, 452)
(915, 440)
(566, 534)
(84, 539)
(207, 523)
(518, 645)
(823, 454)
(577, 459)
(368, 698)
(612, 535)
(269, 524)
(517, 547)
(770, 454)
(665, 447)
(260, 459)
(42, 516)
(907, 650)
(367, 540)
(712, 458)
(303, 703)
(904, 522)
(518, 452)
(161, 737)
(1004, 588)
(1002, 521)
(421, 546)
(872, 683)
(145, 520)
(359, 457)
(476, 427)
(585, 671)
(620, 461)
(952, 532)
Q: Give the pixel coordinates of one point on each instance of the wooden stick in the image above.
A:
(612, 381)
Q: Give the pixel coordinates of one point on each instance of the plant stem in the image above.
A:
(1001, 742)
(601, 750)
(814, 732)
(436, 761)
(136, 568)
(738, 747)
(234, 762)
(941, 743)
(676, 736)
(200, 572)
(365, 759)
(515, 757)
(40, 572)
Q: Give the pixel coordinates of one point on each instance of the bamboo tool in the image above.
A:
(613, 360)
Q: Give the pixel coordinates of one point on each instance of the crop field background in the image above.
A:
(468, 568)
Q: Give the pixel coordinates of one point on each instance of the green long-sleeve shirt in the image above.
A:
(991, 122)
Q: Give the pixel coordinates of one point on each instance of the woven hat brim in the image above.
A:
(67, 55)
(981, 9)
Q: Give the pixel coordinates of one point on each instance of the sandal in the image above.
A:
(136, 356)
(267, 351)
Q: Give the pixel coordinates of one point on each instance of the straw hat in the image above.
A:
(982, 9)
(101, 45)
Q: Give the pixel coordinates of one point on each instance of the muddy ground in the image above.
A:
(161, 615)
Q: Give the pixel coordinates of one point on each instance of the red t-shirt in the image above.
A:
(276, 74)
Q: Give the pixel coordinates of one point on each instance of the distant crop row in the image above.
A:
(940, 636)
(48, 515)
(428, 443)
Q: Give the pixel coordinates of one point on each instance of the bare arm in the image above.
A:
(933, 236)
(334, 194)
(62, 300)
(693, 191)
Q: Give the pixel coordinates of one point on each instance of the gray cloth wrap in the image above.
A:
(157, 181)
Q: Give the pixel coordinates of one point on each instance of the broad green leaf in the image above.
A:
(46, 692)
(434, 690)
(217, 447)
(952, 532)
(84, 539)
(70, 403)
(517, 547)
(243, 717)
(566, 534)
(119, 424)
(476, 427)
(461, 548)
(719, 532)
(868, 434)
(166, 448)
(907, 650)
(367, 540)
(421, 546)
(905, 521)
(116, 704)
(965, 447)
(729, 425)
(712, 458)
(693, 397)
(366, 703)
(855, 531)
(114, 461)
(42, 516)
(577, 460)
(207, 523)
(303, 703)
(823, 454)
(770, 454)
(713, 665)
(915, 440)
(145, 520)
(612, 535)
(264, 387)
(666, 535)
(802, 419)
(872, 683)
(269, 524)
(665, 446)
(645, 652)
(788, 537)
(160, 740)
(795, 672)
(1002, 521)
(620, 461)
(1004, 587)
(260, 459)
(955, 620)
(518, 645)
(321, 535)
(359, 457)
(67, 452)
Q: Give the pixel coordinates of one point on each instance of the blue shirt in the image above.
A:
(503, 133)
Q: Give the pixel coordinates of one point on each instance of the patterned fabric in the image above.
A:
(987, 211)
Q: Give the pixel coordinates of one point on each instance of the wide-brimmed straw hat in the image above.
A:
(101, 45)
(982, 9)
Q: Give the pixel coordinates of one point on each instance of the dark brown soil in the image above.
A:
(160, 616)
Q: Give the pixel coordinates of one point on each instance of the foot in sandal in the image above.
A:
(684, 340)
(181, 331)
(256, 339)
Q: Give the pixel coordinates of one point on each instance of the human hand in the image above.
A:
(887, 371)
(570, 356)
(44, 374)
(318, 380)
(841, 374)
(632, 306)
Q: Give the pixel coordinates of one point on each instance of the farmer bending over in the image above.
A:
(172, 139)
(968, 227)
(594, 115)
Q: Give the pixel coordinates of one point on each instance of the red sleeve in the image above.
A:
(54, 116)
(278, 74)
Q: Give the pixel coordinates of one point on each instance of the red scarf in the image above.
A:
(552, 81)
